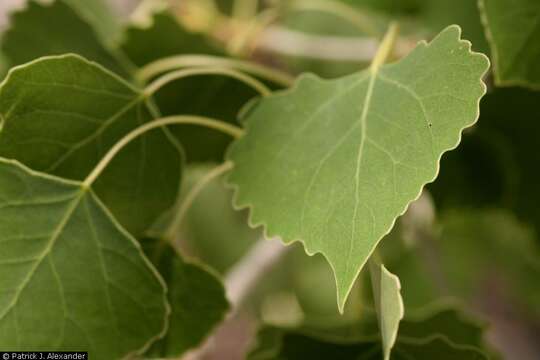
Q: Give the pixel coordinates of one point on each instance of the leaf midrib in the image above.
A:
(48, 248)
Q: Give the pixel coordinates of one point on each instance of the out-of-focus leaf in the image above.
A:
(55, 29)
(355, 167)
(101, 16)
(163, 37)
(208, 95)
(197, 299)
(72, 278)
(388, 304)
(438, 14)
(287, 344)
(513, 31)
(493, 167)
(62, 114)
(477, 249)
(211, 220)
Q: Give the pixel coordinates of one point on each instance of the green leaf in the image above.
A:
(438, 14)
(72, 278)
(54, 29)
(492, 246)
(515, 49)
(163, 37)
(211, 219)
(60, 115)
(277, 343)
(166, 37)
(388, 303)
(197, 299)
(492, 167)
(344, 158)
(101, 16)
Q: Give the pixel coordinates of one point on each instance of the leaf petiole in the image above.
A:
(252, 82)
(183, 61)
(224, 127)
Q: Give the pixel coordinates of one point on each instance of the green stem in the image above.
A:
(182, 61)
(180, 74)
(386, 47)
(190, 197)
(224, 127)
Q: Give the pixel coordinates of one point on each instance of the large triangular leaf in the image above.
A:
(515, 49)
(72, 278)
(343, 158)
(61, 115)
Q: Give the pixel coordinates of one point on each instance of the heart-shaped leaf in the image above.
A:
(72, 278)
(334, 163)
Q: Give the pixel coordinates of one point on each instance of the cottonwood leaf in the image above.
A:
(72, 278)
(388, 304)
(61, 114)
(55, 28)
(197, 299)
(515, 49)
(275, 343)
(102, 17)
(334, 163)
(435, 332)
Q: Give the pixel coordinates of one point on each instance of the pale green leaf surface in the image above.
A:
(60, 115)
(513, 29)
(333, 163)
(72, 278)
(388, 304)
(55, 29)
(197, 299)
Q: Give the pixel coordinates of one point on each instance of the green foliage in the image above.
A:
(345, 191)
(21, 43)
(196, 296)
(116, 134)
(69, 268)
(414, 341)
(515, 49)
(51, 123)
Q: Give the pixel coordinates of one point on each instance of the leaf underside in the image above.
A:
(72, 278)
(334, 163)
